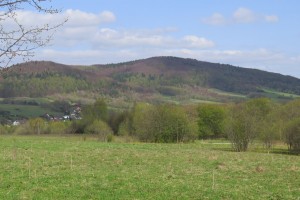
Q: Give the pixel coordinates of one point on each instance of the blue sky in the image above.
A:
(249, 33)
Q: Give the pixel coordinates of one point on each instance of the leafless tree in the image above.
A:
(19, 40)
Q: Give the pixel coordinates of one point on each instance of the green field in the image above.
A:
(230, 94)
(283, 94)
(26, 111)
(77, 167)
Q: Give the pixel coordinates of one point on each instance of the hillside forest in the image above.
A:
(153, 80)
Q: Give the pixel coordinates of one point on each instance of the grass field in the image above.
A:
(230, 94)
(280, 93)
(26, 111)
(74, 167)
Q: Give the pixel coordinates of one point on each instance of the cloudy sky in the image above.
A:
(249, 33)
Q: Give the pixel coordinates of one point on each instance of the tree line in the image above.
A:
(241, 123)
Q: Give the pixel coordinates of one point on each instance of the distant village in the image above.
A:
(74, 114)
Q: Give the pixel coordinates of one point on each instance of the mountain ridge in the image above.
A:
(168, 76)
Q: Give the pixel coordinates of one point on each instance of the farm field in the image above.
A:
(25, 111)
(78, 167)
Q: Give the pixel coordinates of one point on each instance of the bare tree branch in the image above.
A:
(18, 40)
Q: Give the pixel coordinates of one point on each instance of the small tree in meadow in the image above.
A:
(238, 130)
(163, 123)
(245, 122)
(286, 113)
(292, 135)
(211, 121)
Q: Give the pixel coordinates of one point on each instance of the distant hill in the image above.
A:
(154, 79)
(211, 75)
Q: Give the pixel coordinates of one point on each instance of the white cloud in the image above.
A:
(240, 16)
(198, 42)
(75, 18)
(122, 38)
(271, 18)
(80, 18)
(88, 57)
(244, 15)
(215, 19)
(107, 16)
(84, 28)
(146, 40)
(99, 38)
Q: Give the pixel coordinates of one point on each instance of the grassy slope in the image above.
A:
(71, 168)
(281, 94)
(27, 111)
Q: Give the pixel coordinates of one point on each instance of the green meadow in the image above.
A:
(81, 167)
(26, 110)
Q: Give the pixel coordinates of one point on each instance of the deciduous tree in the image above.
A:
(292, 135)
(162, 123)
(211, 120)
(245, 122)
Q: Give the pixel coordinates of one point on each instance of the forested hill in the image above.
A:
(169, 76)
(211, 75)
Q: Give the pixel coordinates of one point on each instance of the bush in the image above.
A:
(163, 123)
(37, 126)
(77, 126)
(269, 134)
(238, 131)
(59, 127)
(99, 128)
(110, 137)
(292, 135)
(211, 121)
(124, 129)
(97, 111)
(245, 121)
(23, 129)
(3, 130)
(115, 119)
(34, 126)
